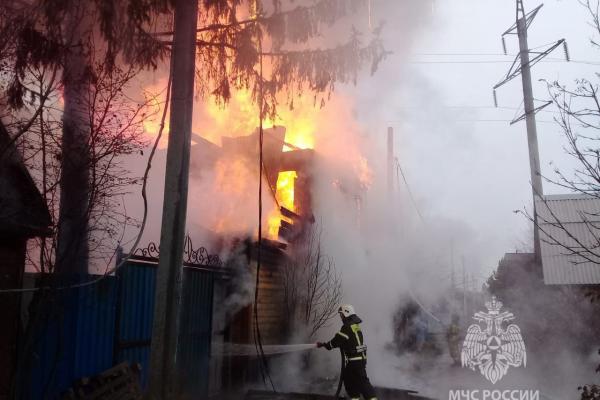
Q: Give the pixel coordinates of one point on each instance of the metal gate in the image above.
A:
(135, 313)
(196, 330)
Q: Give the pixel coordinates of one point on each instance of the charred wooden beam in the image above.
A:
(286, 212)
(297, 160)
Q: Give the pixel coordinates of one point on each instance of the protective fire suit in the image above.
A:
(453, 337)
(350, 340)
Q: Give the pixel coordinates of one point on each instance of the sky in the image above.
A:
(462, 159)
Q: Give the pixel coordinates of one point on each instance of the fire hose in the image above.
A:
(342, 367)
(240, 349)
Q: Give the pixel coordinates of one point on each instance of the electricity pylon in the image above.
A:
(522, 66)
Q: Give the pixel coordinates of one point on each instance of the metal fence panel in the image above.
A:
(196, 329)
(95, 327)
(74, 339)
(89, 329)
(137, 284)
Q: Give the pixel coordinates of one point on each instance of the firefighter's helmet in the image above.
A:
(346, 310)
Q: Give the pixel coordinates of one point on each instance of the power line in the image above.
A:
(480, 53)
(472, 120)
(461, 62)
(478, 107)
(498, 120)
(547, 61)
(399, 172)
(459, 54)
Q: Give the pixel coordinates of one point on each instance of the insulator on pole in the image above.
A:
(566, 50)
(504, 45)
(495, 99)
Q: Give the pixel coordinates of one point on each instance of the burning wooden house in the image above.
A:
(287, 172)
(288, 216)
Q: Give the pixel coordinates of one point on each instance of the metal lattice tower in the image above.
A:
(520, 10)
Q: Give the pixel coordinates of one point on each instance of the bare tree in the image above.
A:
(278, 50)
(579, 118)
(71, 38)
(116, 131)
(312, 286)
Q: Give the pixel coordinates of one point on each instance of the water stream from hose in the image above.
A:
(239, 349)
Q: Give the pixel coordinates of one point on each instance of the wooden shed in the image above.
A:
(23, 215)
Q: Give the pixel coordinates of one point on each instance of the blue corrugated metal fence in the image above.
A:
(74, 339)
(137, 284)
(196, 328)
(93, 327)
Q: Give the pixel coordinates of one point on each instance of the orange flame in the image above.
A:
(239, 117)
(364, 172)
(285, 189)
(285, 198)
(156, 94)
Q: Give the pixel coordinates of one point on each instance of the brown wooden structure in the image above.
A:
(23, 215)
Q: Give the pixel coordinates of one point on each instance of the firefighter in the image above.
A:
(453, 338)
(350, 340)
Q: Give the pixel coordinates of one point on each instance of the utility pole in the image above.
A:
(390, 160)
(464, 279)
(453, 280)
(369, 8)
(164, 382)
(522, 66)
(532, 142)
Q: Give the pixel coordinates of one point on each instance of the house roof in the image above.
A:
(23, 211)
(566, 223)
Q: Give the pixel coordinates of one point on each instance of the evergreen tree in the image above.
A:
(237, 37)
(72, 37)
(266, 47)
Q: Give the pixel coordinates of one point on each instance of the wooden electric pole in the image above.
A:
(390, 160)
(164, 377)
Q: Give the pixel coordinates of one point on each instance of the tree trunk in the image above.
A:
(73, 230)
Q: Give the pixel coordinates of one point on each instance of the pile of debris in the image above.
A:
(119, 382)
